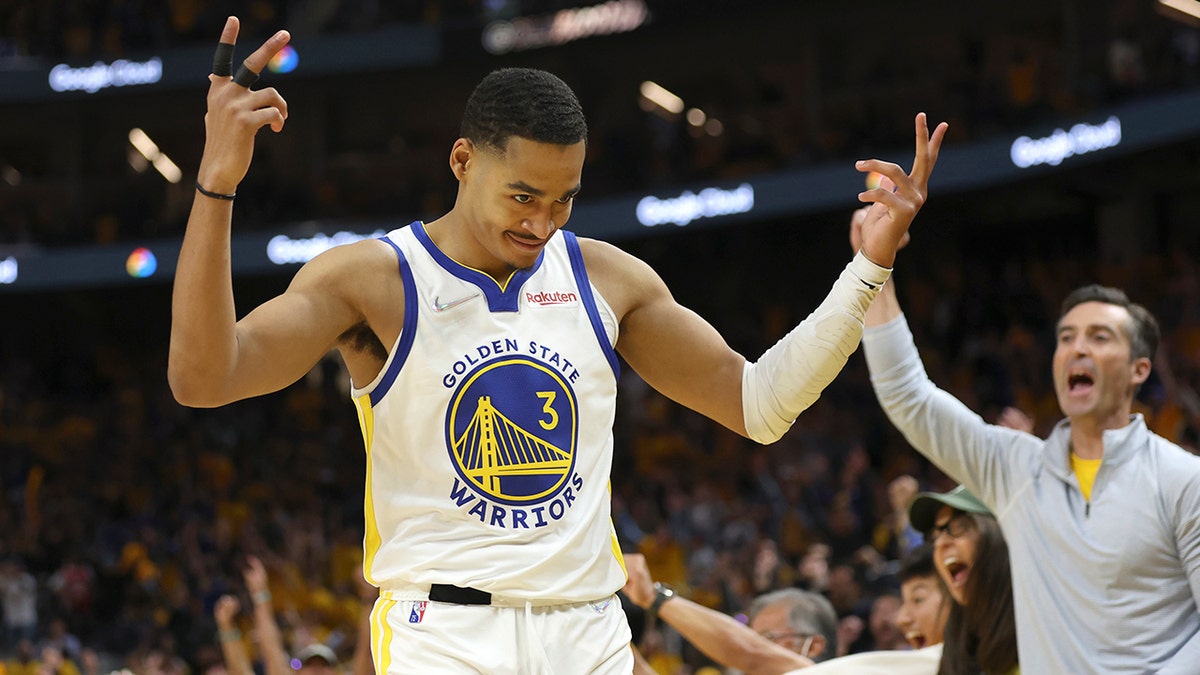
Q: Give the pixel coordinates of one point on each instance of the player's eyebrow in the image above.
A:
(522, 186)
(526, 187)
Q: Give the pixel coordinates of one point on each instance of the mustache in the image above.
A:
(525, 236)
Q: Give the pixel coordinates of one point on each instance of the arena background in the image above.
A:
(133, 514)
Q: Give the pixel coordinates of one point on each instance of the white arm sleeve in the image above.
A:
(791, 375)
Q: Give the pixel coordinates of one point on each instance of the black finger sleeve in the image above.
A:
(245, 76)
(223, 60)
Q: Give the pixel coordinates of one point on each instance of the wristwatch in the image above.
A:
(663, 593)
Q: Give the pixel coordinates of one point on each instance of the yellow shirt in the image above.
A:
(1085, 470)
(19, 668)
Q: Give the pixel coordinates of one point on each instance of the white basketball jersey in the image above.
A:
(489, 430)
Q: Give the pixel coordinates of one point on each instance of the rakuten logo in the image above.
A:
(1053, 149)
(551, 298)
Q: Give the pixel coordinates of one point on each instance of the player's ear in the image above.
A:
(460, 157)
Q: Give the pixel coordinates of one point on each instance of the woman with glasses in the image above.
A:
(971, 557)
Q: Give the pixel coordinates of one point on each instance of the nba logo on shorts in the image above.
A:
(418, 611)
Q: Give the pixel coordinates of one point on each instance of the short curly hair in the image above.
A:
(523, 102)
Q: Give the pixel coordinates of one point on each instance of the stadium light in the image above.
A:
(1187, 11)
(157, 158)
(11, 175)
(661, 97)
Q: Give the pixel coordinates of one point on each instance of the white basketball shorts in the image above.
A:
(423, 636)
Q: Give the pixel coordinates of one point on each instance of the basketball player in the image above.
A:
(483, 352)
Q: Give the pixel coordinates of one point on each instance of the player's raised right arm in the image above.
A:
(214, 359)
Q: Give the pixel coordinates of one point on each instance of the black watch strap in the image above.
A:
(663, 593)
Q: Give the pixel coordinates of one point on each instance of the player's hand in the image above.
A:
(886, 223)
(236, 112)
(860, 216)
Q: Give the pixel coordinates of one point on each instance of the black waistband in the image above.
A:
(458, 595)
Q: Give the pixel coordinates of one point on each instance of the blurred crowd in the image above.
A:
(126, 516)
(86, 29)
(365, 146)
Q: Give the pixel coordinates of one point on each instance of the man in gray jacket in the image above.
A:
(1102, 518)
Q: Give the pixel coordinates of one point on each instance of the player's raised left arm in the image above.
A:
(681, 355)
(671, 347)
(684, 357)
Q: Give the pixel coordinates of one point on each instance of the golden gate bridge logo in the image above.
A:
(511, 430)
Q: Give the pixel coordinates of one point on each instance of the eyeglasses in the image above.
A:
(778, 639)
(955, 527)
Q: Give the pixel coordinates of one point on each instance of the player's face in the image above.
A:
(1094, 374)
(922, 615)
(955, 539)
(517, 199)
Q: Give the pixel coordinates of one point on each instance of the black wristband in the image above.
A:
(214, 195)
(663, 594)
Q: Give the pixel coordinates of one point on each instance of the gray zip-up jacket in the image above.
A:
(1106, 587)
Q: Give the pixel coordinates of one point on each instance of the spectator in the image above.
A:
(971, 557)
(55, 663)
(61, 638)
(233, 647)
(1131, 538)
(882, 622)
(783, 635)
(922, 616)
(317, 659)
(801, 622)
(24, 660)
(18, 595)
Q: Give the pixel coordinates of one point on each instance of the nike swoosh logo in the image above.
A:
(443, 306)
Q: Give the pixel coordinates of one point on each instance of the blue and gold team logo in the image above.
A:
(511, 428)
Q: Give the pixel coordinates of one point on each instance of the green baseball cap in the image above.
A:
(925, 507)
